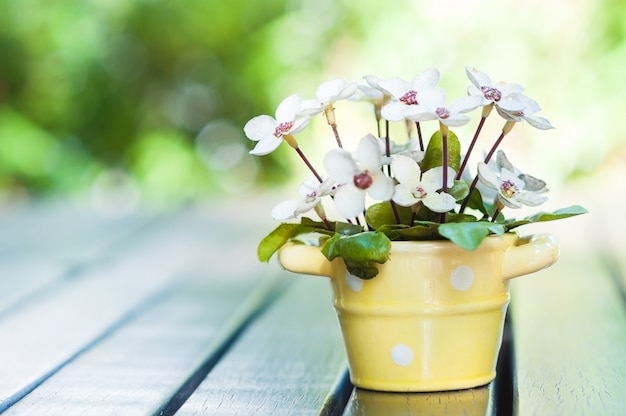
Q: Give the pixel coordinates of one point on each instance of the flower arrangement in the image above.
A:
(388, 191)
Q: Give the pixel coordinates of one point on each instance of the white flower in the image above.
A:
(406, 94)
(326, 95)
(269, 132)
(410, 149)
(414, 187)
(529, 108)
(513, 190)
(372, 92)
(358, 176)
(433, 107)
(311, 192)
(502, 94)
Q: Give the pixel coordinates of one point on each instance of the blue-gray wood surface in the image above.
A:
(170, 313)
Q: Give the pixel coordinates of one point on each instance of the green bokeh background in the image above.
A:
(151, 96)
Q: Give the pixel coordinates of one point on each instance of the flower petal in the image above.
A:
(476, 77)
(439, 202)
(508, 88)
(393, 111)
(431, 97)
(340, 166)
(327, 91)
(349, 200)
(395, 86)
(381, 187)
(406, 170)
(465, 104)
(488, 176)
(288, 108)
(455, 120)
(368, 153)
(285, 210)
(264, 147)
(403, 196)
(531, 199)
(310, 107)
(539, 122)
(427, 78)
(299, 124)
(260, 127)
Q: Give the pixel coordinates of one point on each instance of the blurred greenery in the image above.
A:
(152, 95)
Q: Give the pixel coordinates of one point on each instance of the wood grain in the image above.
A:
(569, 326)
(285, 364)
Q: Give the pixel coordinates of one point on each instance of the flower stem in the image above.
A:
(419, 135)
(444, 161)
(308, 164)
(396, 215)
(474, 139)
(505, 130)
(444, 154)
(495, 214)
(387, 146)
(330, 118)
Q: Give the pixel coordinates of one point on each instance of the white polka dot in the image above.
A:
(354, 283)
(402, 354)
(462, 278)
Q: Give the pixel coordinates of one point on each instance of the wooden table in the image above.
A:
(163, 313)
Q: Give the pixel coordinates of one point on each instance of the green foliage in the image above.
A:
(359, 252)
(85, 87)
(434, 152)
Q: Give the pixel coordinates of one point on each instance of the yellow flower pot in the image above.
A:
(432, 319)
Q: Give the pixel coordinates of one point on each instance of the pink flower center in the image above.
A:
(363, 180)
(508, 189)
(311, 196)
(442, 112)
(409, 98)
(283, 128)
(420, 192)
(491, 94)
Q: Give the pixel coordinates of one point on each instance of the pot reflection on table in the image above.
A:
(470, 402)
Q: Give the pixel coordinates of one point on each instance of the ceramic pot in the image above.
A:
(432, 319)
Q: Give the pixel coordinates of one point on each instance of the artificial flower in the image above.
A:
(415, 187)
(358, 176)
(269, 132)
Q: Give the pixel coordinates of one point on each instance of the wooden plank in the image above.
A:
(50, 330)
(62, 232)
(147, 358)
(286, 363)
(569, 325)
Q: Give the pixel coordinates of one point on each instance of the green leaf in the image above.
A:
(459, 190)
(381, 214)
(434, 154)
(283, 233)
(469, 235)
(476, 202)
(347, 228)
(422, 230)
(359, 251)
(548, 216)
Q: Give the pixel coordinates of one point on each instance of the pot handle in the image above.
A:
(530, 254)
(304, 259)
